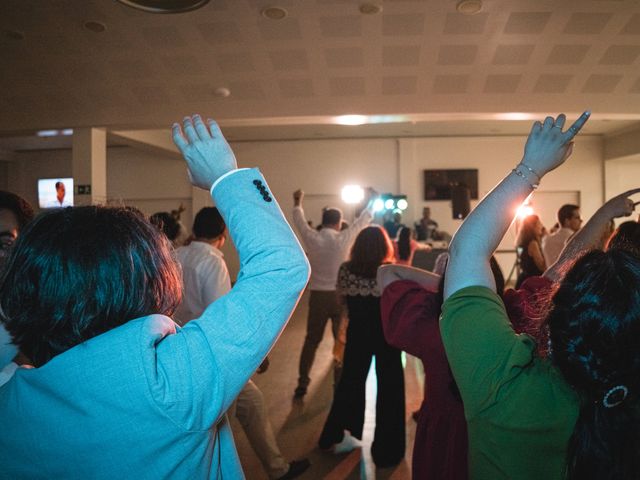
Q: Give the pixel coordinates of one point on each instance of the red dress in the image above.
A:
(410, 322)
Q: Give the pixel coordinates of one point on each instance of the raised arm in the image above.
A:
(479, 235)
(388, 274)
(201, 369)
(299, 219)
(589, 236)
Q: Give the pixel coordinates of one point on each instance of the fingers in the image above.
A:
(200, 127)
(535, 128)
(215, 129)
(178, 138)
(560, 121)
(548, 123)
(577, 126)
(628, 193)
(189, 130)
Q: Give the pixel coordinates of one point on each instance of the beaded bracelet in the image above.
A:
(524, 177)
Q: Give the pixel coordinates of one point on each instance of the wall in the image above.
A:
(621, 175)
(321, 167)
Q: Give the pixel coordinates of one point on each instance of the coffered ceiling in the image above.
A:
(418, 66)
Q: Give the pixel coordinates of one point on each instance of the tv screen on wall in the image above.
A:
(438, 183)
(55, 192)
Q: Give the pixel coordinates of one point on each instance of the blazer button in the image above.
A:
(267, 199)
(257, 182)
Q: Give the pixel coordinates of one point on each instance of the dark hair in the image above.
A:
(527, 232)
(331, 216)
(18, 206)
(594, 327)
(75, 273)
(566, 212)
(404, 243)
(208, 223)
(166, 223)
(626, 237)
(59, 184)
(371, 249)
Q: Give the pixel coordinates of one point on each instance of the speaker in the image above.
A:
(460, 201)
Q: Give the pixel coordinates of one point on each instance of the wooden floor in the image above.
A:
(297, 426)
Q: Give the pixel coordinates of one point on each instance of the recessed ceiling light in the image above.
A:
(274, 13)
(95, 27)
(469, 7)
(222, 92)
(13, 35)
(164, 6)
(370, 8)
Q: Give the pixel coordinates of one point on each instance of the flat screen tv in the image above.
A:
(438, 183)
(55, 192)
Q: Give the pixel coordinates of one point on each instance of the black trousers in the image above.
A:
(365, 339)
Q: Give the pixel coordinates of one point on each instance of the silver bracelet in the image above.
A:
(524, 177)
(532, 171)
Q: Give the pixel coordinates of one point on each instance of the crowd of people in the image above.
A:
(125, 347)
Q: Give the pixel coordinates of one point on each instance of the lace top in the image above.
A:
(351, 284)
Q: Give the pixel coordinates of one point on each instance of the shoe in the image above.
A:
(299, 392)
(296, 468)
(347, 444)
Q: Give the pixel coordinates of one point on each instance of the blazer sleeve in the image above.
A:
(202, 367)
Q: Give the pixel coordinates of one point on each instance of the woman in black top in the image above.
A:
(365, 339)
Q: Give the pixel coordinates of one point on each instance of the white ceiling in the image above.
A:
(420, 67)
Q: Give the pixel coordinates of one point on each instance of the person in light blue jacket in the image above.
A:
(117, 389)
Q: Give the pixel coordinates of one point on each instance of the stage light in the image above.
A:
(378, 205)
(352, 194)
(389, 204)
(402, 204)
(524, 211)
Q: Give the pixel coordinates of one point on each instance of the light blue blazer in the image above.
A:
(146, 400)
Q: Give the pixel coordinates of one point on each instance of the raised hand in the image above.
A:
(548, 146)
(298, 195)
(205, 149)
(620, 205)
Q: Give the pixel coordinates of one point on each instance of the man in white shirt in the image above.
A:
(326, 250)
(60, 201)
(569, 221)
(205, 279)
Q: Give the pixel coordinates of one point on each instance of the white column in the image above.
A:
(89, 165)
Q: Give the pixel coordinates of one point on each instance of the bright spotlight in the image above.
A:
(378, 205)
(352, 194)
(402, 204)
(524, 211)
(389, 204)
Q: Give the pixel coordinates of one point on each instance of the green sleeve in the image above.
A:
(483, 350)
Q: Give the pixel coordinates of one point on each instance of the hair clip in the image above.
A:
(618, 388)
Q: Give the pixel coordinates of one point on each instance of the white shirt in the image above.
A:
(205, 278)
(55, 203)
(553, 244)
(327, 249)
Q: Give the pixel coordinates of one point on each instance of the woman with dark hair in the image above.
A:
(365, 339)
(574, 414)
(117, 389)
(626, 237)
(529, 248)
(405, 246)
